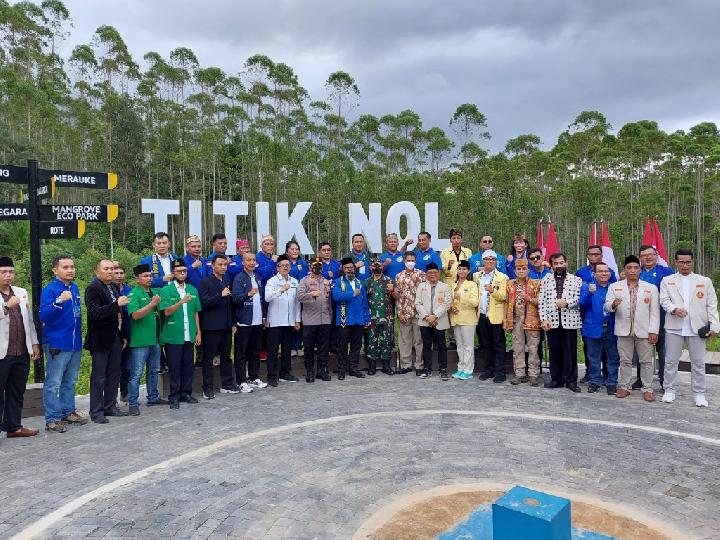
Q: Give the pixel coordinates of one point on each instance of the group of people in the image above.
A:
(231, 310)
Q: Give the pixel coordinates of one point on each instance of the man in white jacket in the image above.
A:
(637, 322)
(690, 302)
(18, 343)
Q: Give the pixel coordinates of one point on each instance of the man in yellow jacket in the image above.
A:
(493, 291)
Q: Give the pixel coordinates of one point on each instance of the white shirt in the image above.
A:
(283, 306)
(686, 291)
(486, 279)
(257, 307)
(186, 322)
(165, 263)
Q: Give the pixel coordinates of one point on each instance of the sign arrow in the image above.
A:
(92, 180)
(13, 174)
(60, 229)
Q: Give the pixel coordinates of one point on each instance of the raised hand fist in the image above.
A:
(123, 301)
(65, 296)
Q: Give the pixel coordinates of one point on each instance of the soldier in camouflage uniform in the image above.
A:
(380, 335)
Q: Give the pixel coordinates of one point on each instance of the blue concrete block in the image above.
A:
(531, 515)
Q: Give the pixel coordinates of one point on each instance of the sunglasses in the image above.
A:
(536, 258)
(486, 241)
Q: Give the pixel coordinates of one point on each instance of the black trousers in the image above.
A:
(14, 371)
(349, 336)
(104, 379)
(181, 369)
(216, 342)
(125, 370)
(562, 344)
(248, 340)
(279, 337)
(317, 346)
(492, 345)
(432, 338)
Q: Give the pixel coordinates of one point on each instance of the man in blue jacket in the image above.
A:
(219, 247)
(476, 262)
(196, 263)
(160, 261)
(424, 254)
(598, 331)
(352, 316)
(266, 259)
(61, 315)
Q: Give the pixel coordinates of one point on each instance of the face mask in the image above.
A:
(377, 271)
(410, 265)
(317, 270)
(350, 275)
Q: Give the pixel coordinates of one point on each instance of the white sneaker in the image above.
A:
(245, 388)
(668, 396)
(700, 400)
(257, 383)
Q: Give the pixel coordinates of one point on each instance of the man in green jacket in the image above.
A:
(144, 340)
(180, 303)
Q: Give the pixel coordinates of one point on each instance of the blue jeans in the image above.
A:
(140, 357)
(595, 347)
(61, 373)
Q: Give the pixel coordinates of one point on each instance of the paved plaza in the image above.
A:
(316, 461)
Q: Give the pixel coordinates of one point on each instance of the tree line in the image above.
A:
(173, 128)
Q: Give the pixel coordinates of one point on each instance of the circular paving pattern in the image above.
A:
(318, 461)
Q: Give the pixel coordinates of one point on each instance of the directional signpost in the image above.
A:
(52, 220)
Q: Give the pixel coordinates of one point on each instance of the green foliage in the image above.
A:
(172, 128)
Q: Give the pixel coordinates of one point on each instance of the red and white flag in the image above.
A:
(540, 239)
(648, 236)
(552, 246)
(593, 238)
(607, 250)
(659, 243)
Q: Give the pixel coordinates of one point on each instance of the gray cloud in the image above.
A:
(529, 66)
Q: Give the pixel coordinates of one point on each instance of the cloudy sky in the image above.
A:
(529, 65)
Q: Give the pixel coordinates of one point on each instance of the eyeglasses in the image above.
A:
(486, 241)
(683, 262)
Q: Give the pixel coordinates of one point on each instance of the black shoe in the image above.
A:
(388, 371)
(115, 412)
(418, 372)
(485, 375)
(134, 411)
(444, 375)
(325, 377)
(358, 374)
(309, 378)
(611, 389)
(573, 387)
(585, 379)
(289, 377)
(637, 385)
(404, 370)
(208, 394)
(592, 388)
(100, 420)
(160, 401)
(372, 367)
(553, 384)
(341, 376)
(499, 379)
(188, 399)
(273, 382)
(175, 404)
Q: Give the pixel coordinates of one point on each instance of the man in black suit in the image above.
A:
(104, 341)
(218, 328)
